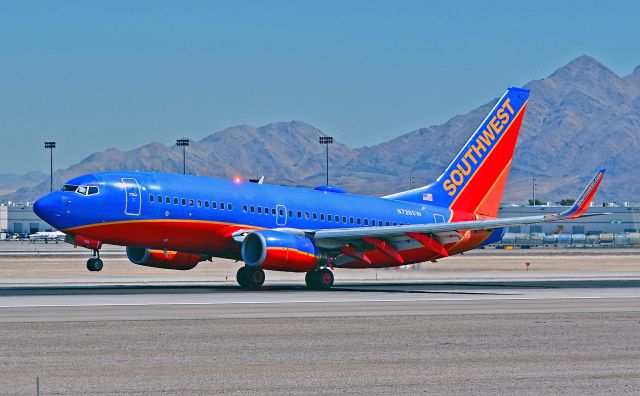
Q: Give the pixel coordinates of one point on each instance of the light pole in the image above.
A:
(50, 146)
(326, 140)
(533, 190)
(184, 143)
(410, 179)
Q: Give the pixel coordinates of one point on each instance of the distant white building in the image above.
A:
(620, 220)
(20, 218)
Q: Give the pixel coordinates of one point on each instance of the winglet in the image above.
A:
(582, 203)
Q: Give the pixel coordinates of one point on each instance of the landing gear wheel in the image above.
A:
(321, 279)
(257, 277)
(250, 278)
(309, 279)
(324, 279)
(94, 264)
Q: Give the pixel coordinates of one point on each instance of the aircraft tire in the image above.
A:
(324, 279)
(242, 276)
(94, 264)
(309, 279)
(257, 277)
(319, 279)
(250, 278)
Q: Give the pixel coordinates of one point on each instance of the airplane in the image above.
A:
(47, 236)
(176, 221)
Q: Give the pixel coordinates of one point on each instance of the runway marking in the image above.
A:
(315, 301)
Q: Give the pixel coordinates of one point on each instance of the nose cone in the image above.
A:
(48, 208)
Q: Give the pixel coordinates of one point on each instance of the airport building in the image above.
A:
(20, 219)
(618, 220)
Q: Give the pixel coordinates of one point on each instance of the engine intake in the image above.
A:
(280, 251)
(161, 259)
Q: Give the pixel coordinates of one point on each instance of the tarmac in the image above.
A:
(567, 328)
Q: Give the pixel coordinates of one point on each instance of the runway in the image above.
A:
(482, 324)
(525, 337)
(188, 301)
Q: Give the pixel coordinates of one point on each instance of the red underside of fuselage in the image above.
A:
(215, 239)
(192, 236)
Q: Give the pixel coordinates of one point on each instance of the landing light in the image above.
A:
(237, 179)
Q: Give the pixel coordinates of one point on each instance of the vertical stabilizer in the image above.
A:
(475, 179)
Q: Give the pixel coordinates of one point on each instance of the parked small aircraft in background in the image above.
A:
(47, 236)
(175, 221)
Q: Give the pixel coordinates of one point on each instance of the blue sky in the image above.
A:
(96, 75)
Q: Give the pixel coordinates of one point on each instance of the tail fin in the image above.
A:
(584, 200)
(475, 180)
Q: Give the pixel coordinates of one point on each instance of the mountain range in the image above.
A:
(580, 118)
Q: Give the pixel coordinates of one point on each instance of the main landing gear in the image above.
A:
(250, 278)
(95, 263)
(319, 279)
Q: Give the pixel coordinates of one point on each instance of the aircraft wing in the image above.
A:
(338, 238)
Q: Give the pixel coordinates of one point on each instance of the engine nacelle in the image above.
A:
(162, 259)
(281, 251)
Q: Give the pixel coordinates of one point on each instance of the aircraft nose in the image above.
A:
(48, 208)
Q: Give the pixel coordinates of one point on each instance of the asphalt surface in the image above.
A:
(471, 337)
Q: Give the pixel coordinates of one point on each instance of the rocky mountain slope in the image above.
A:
(581, 117)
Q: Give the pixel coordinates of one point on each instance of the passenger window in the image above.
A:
(299, 215)
(184, 202)
(214, 205)
(199, 203)
(206, 204)
(281, 212)
(244, 208)
(273, 211)
(306, 215)
(167, 199)
(221, 205)
(150, 198)
(380, 223)
(351, 220)
(252, 209)
(190, 201)
(358, 221)
(395, 223)
(266, 211)
(159, 198)
(175, 200)
(344, 219)
(366, 222)
(229, 207)
(322, 216)
(329, 218)
(93, 190)
(315, 216)
(259, 210)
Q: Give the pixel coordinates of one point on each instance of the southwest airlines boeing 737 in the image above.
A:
(176, 221)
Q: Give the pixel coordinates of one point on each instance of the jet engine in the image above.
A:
(280, 251)
(161, 259)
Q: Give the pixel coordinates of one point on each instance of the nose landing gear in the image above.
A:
(95, 263)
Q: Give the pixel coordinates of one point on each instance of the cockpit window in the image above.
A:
(69, 187)
(82, 190)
